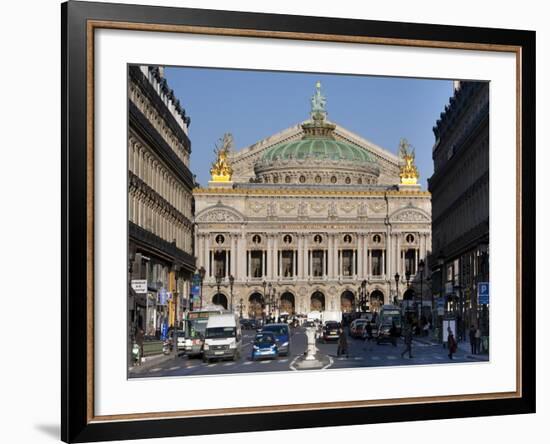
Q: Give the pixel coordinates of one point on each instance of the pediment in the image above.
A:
(219, 214)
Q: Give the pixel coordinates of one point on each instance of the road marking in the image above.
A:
(227, 364)
(375, 358)
(391, 357)
(211, 365)
(438, 357)
(358, 358)
(247, 362)
(330, 362)
(158, 369)
(173, 368)
(266, 362)
(283, 360)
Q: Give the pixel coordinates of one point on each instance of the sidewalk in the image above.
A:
(150, 361)
(463, 346)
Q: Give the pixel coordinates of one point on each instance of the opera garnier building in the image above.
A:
(312, 218)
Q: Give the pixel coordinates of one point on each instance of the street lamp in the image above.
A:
(396, 287)
(202, 274)
(421, 270)
(231, 281)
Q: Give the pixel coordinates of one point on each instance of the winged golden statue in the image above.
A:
(221, 170)
(408, 173)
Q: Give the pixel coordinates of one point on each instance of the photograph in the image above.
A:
(284, 221)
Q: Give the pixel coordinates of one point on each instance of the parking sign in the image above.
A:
(483, 293)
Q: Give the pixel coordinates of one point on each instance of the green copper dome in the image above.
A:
(316, 148)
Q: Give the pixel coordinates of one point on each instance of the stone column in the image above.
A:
(353, 267)
(306, 258)
(300, 252)
(384, 263)
(269, 254)
(389, 256)
(233, 255)
(330, 256)
(276, 261)
(360, 240)
(207, 255)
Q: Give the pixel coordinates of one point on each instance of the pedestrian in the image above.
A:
(139, 342)
(408, 341)
(478, 340)
(472, 335)
(342, 345)
(368, 331)
(451, 342)
(393, 334)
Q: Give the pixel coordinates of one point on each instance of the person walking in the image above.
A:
(139, 342)
(451, 342)
(472, 335)
(368, 331)
(342, 345)
(478, 340)
(408, 334)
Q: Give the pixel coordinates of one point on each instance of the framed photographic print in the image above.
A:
(275, 222)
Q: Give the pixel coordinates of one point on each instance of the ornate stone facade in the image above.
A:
(160, 201)
(460, 190)
(303, 241)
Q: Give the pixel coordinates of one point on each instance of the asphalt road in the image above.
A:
(360, 354)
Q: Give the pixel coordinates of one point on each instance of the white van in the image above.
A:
(222, 337)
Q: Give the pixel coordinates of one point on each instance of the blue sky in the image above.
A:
(253, 105)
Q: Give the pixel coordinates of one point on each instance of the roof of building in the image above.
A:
(316, 147)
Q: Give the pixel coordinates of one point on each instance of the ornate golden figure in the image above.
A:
(221, 171)
(409, 173)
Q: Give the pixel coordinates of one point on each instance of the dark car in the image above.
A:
(282, 336)
(265, 346)
(246, 324)
(331, 331)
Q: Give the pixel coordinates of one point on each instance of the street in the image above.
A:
(361, 354)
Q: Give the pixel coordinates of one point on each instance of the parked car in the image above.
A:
(331, 331)
(356, 329)
(282, 336)
(265, 346)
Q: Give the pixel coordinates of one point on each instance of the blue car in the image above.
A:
(282, 336)
(265, 346)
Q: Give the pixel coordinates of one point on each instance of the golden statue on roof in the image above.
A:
(408, 172)
(221, 170)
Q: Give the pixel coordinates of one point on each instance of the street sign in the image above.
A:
(139, 286)
(483, 293)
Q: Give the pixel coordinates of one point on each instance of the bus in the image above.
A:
(391, 314)
(194, 328)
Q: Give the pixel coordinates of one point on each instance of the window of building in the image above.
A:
(287, 179)
(302, 179)
(317, 179)
(317, 238)
(347, 262)
(287, 263)
(220, 259)
(287, 239)
(220, 239)
(256, 264)
(376, 262)
(348, 180)
(410, 238)
(376, 238)
(317, 263)
(360, 181)
(333, 179)
(256, 239)
(347, 239)
(410, 261)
